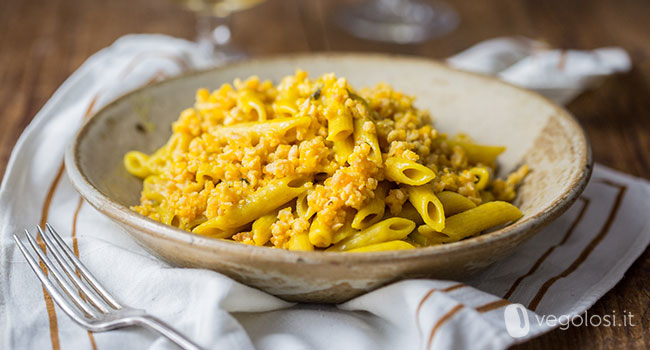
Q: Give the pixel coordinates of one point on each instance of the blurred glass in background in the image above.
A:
(213, 25)
(398, 21)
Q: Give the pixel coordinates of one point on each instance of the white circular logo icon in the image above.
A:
(516, 318)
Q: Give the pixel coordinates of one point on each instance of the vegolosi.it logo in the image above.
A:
(516, 318)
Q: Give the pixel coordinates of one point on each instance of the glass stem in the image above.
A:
(213, 33)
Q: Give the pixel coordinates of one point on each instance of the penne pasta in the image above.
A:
(372, 212)
(382, 247)
(345, 231)
(454, 203)
(433, 236)
(387, 230)
(422, 240)
(283, 127)
(302, 206)
(135, 163)
(478, 153)
(408, 212)
(407, 172)
(249, 101)
(320, 235)
(206, 172)
(261, 229)
(264, 200)
(428, 206)
(343, 149)
(483, 176)
(483, 217)
(150, 191)
(339, 125)
(300, 242)
(365, 131)
(285, 108)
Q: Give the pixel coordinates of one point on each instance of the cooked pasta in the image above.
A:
(313, 164)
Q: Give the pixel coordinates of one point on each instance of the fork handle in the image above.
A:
(167, 331)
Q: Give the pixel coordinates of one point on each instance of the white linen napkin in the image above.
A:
(561, 272)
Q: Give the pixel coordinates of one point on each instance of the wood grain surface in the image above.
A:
(43, 42)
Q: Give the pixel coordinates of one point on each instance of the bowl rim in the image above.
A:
(527, 227)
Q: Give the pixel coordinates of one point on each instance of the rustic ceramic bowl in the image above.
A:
(535, 131)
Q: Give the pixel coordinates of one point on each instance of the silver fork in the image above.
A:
(85, 300)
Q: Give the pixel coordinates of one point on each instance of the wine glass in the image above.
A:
(213, 26)
(398, 21)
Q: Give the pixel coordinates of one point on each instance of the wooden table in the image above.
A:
(43, 42)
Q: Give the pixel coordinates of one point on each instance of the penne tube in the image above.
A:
(302, 207)
(264, 200)
(285, 107)
(345, 231)
(166, 215)
(373, 211)
(320, 234)
(343, 149)
(135, 163)
(454, 203)
(204, 173)
(434, 237)
(300, 242)
(407, 212)
(382, 247)
(423, 240)
(214, 232)
(483, 176)
(261, 228)
(478, 153)
(428, 206)
(407, 172)
(339, 125)
(249, 101)
(483, 217)
(368, 135)
(387, 230)
(196, 222)
(283, 127)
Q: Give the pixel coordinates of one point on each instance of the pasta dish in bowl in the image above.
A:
(265, 173)
(316, 164)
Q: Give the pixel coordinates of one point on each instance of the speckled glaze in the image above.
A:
(535, 131)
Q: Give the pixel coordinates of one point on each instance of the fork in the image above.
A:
(85, 300)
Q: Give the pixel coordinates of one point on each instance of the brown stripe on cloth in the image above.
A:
(75, 248)
(441, 321)
(588, 249)
(550, 250)
(49, 304)
(424, 299)
(492, 305)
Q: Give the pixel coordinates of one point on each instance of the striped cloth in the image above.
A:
(561, 272)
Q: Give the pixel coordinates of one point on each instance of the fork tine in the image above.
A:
(87, 292)
(67, 288)
(58, 297)
(82, 269)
